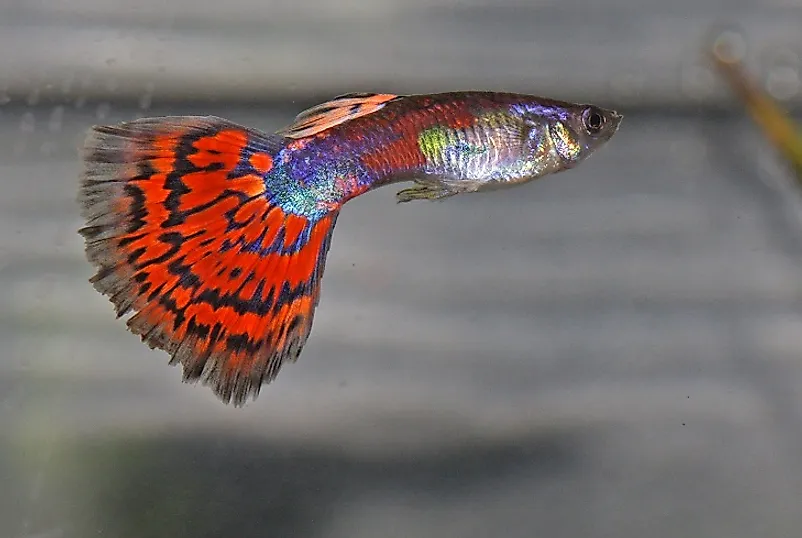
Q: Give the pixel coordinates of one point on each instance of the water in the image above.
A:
(611, 352)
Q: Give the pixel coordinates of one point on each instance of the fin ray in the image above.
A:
(339, 110)
(183, 233)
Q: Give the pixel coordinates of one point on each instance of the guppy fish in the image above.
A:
(216, 235)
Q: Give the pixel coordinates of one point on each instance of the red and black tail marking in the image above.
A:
(183, 232)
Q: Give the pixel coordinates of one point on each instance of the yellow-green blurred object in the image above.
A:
(765, 111)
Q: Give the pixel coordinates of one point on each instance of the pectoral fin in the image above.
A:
(425, 191)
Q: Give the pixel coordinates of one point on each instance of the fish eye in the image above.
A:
(593, 120)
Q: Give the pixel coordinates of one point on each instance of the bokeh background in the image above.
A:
(612, 352)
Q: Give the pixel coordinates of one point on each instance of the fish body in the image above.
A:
(450, 143)
(216, 235)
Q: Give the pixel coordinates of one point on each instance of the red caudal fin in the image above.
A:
(184, 234)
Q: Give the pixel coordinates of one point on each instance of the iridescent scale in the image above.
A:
(473, 138)
(215, 236)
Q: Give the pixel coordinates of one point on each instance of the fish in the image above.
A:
(214, 235)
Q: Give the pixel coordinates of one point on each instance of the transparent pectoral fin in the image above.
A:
(425, 191)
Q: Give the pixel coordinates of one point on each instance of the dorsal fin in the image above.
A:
(334, 112)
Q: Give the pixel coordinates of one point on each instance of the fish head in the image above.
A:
(579, 130)
(559, 135)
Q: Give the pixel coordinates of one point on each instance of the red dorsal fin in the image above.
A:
(334, 112)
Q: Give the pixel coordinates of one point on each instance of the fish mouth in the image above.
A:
(616, 118)
(613, 123)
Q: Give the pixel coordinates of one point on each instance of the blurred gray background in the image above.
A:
(612, 352)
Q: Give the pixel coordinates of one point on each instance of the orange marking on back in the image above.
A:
(261, 162)
(335, 112)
